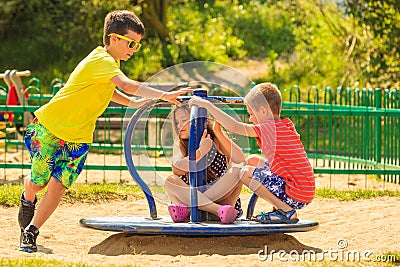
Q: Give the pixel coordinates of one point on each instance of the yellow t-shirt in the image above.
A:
(72, 113)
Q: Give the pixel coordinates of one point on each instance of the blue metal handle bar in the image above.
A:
(128, 157)
(224, 99)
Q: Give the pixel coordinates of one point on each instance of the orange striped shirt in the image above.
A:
(287, 158)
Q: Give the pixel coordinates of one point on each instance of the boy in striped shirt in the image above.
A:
(284, 177)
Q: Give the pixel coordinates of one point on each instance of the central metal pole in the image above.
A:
(197, 176)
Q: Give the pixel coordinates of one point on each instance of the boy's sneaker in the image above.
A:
(28, 239)
(26, 212)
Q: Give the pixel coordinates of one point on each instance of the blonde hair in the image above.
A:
(267, 95)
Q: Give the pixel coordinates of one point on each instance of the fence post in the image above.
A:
(378, 127)
(253, 147)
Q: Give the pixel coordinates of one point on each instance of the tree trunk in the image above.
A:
(154, 15)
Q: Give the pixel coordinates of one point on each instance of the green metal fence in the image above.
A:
(352, 131)
(344, 131)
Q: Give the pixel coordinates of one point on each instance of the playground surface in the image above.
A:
(341, 182)
(362, 225)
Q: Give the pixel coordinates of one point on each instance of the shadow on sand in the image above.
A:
(45, 250)
(125, 243)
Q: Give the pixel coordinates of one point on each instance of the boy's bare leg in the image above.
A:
(179, 192)
(49, 202)
(258, 188)
(28, 203)
(30, 190)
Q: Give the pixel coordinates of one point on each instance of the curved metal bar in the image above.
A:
(250, 206)
(129, 162)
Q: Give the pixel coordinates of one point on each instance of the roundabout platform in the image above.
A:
(164, 226)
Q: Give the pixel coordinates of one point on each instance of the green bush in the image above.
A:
(202, 35)
(304, 42)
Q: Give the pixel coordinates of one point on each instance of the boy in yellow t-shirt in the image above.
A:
(58, 139)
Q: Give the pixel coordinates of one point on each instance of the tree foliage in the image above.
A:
(379, 55)
(305, 42)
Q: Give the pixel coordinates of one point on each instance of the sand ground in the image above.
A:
(364, 225)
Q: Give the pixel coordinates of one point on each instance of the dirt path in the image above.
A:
(364, 224)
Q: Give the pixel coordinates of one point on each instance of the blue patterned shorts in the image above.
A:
(53, 157)
(276, 185)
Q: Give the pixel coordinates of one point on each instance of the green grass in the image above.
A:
(102, 192)
(348, 195)
(393, 256)
(9, 194)
(94, 193)
(31, 262)
(48, 263)
(389, 258)
(86, 193)
(345, 195)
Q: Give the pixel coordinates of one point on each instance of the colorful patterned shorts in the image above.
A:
(276, 185)
(53, 157)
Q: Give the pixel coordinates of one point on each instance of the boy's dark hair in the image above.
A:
(120, 21)
(271, 94)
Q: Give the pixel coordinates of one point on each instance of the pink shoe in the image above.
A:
(178, 213)
(227, 214)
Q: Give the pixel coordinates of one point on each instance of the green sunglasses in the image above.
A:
(132, 44)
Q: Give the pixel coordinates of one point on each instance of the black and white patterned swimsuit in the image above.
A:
(218, 166)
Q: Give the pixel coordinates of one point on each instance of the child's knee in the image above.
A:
(171, 181)
(246, 172)
(168, 181)
(235, 172)
(254, 160)
(172, 178)
(233, 177)
(56, 187)
(29, 185)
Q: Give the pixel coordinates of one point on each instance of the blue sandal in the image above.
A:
(276, 216)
